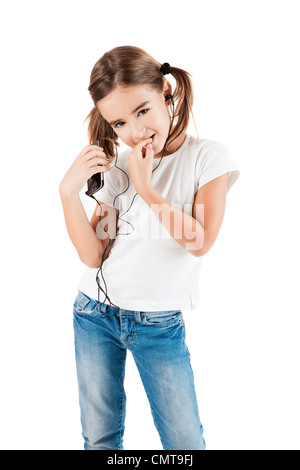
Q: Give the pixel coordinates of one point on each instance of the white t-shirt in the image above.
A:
(148, 270)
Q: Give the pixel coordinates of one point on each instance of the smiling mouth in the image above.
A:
(151, 137)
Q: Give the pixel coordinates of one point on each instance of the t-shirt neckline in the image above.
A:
(175, 153)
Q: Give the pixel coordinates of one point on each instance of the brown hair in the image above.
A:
(126, 66)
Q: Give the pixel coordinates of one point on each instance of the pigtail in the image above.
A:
(99, 129)
(183, 95)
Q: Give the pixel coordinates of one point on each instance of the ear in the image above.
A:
(167, 88)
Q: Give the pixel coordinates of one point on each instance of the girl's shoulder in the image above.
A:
(205, 143)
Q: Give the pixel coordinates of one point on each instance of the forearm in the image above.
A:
(186, 230)
(89, 247)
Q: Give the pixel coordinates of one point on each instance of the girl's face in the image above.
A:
(136, 113)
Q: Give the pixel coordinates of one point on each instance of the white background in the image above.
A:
(244, 338)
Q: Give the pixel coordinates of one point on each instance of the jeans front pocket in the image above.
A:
(163, 318)
(84, 305)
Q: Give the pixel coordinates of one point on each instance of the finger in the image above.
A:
(97, 161)
(149, 150)
(92, 146)
(87, 148)
(97, 169)
(94, 153)
(142, 144)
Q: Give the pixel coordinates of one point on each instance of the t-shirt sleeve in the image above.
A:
(216, 161)
(110, 190)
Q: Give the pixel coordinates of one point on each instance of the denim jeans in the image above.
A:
(157, 342)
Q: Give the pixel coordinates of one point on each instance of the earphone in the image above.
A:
(167, 97)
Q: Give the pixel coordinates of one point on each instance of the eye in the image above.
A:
(142, 111)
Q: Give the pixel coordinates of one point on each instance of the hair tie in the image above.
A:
(165, 68)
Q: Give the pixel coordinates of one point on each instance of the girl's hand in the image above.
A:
(140, 168)
(91, 160)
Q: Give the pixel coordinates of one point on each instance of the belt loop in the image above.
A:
(103, 308)
(139, 316)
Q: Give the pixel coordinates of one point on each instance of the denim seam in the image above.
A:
(122, 405)
(178, 320)
(131, 336)
(82, 309)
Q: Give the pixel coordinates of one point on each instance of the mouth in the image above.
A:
(151, 137)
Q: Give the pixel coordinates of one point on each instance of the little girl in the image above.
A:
(165, 181)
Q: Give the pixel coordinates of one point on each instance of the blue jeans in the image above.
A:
(157, 342)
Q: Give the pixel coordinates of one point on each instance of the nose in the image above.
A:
(138, 134)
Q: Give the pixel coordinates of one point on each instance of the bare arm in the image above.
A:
(89, 247)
